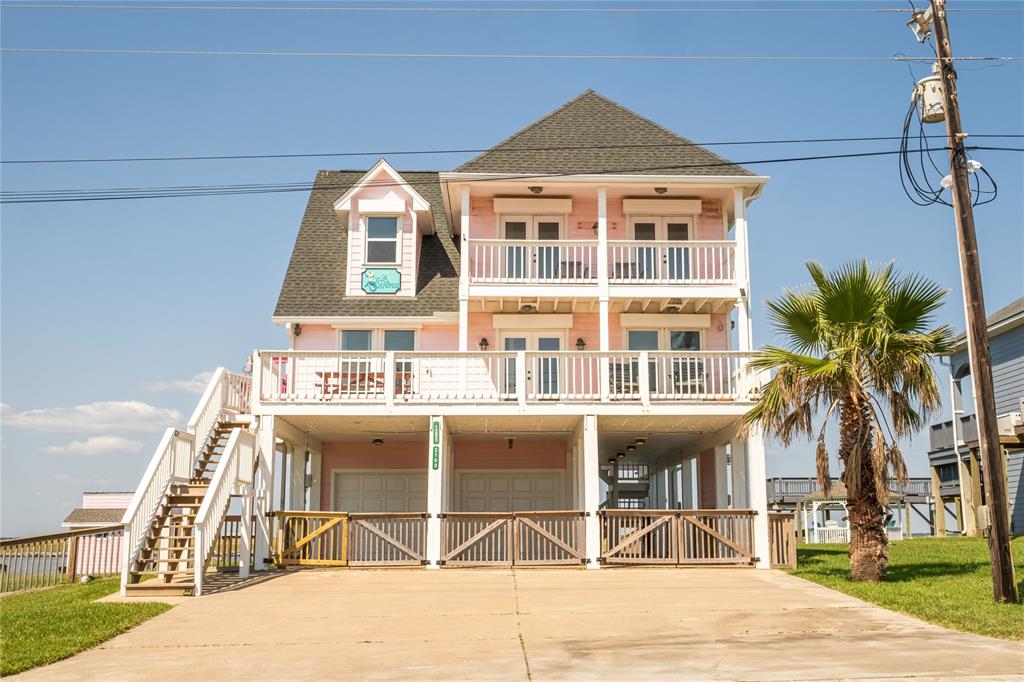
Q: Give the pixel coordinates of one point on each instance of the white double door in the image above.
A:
(541, 370)
(533, 261)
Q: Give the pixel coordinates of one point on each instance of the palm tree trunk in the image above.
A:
(869, 541)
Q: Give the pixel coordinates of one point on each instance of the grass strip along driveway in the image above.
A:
(41, 627)
(946, 581)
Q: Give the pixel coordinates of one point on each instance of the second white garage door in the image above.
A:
(506, 491)
(358, 490)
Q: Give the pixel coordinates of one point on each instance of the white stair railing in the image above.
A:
(171, 463)
(175, 458)
(234, 476)
(227, 393)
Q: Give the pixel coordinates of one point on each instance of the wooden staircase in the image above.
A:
(169, 550)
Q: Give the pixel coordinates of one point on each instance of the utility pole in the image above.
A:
(1004, 586)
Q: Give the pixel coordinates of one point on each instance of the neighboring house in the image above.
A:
(954, 453)
(463, 346)
(96, 553)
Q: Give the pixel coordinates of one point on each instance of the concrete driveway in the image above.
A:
(540, 624)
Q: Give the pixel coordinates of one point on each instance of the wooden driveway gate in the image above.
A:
(514, 538)
(310, 538)
(391, 539)
(677, 537)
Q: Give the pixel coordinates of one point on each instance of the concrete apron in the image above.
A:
(538, 624)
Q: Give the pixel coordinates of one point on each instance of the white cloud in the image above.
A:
(88, 482)
(98, 445)
(196, 384)
(110, 415)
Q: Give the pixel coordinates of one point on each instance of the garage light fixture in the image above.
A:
(640, 442)
(621, 455)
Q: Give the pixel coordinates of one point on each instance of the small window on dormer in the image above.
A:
(382, 239)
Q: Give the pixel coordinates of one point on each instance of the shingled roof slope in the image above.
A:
(1002, 315)
(593, 134)
(314, 284)
(83, 515)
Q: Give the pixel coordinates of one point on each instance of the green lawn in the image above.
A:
(946, 581)
(41, 627)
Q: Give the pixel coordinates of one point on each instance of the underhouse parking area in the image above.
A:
(537, 624)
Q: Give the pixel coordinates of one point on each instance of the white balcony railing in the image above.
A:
(315, 377)
(671, 262)
(504, 261)
(501, 261)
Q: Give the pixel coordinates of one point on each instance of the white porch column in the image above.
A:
(602, 264)
(245, 533)
(264, 487)
(721, 478)
(740, 483)
(744, 334)
(591, 490)
(758, 495)
(436, 462)
(464, 271)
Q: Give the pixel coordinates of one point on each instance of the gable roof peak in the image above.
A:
(594, 134)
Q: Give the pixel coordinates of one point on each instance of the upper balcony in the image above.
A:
(576, 262)
(556, 380)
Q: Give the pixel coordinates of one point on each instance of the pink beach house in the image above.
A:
(540, 357)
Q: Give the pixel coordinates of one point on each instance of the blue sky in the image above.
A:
(109, 309)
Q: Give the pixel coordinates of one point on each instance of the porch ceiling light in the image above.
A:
(641, 442)
(660, 190)
(621, 455)
(631, 449)
(536, 189)
(611, 460)
(378, 441)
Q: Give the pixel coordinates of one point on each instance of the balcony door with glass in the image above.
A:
(541, 369)
(531, 262)
(676, 371)
(664, 261)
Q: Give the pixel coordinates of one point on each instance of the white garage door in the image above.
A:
(358, 490)
(506, 491)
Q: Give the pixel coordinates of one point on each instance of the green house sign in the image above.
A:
(381, 280)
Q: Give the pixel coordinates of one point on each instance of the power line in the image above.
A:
(418, 152)
(497, 55)
(496, 10)
(125, 193)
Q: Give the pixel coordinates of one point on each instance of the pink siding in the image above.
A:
(715, 339)
(409, 243)
(363, 455)
(481, 325)
(317, 337)
(106, 500)
(711, 222)
(439, 338)
(585, 326)
(523, 455)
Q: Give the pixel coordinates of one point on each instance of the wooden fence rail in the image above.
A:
(782, 540)
(46, 560)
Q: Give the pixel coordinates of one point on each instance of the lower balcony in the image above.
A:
(523, 377)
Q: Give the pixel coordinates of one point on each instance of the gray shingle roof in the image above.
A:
(314, 285)
(1005, 313)
(564, 141)
(82, 516)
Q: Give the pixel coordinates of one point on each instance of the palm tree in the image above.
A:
(859, 342)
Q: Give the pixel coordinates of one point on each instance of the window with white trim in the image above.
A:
(382, 240)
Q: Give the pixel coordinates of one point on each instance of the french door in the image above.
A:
(541, 262)
(676, 374)
(541, 370)
(663, 261)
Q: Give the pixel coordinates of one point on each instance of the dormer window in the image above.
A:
(382, 240)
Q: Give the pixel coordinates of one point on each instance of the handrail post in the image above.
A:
(389, 378)
(645, 378)
(72, 568)
(521, 377)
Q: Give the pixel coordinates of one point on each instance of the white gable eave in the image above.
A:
(344, 203)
